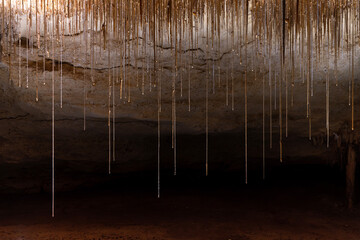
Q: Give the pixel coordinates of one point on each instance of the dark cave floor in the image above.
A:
(294, 202)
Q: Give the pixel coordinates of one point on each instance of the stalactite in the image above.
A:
(85, 63)
(19, 57)
(227, 47)
(270, 99)
(347, 29)
(180, 52)
(38, 47)
(3, 24)
(92, 43)
(191, 46)
(45, 41)
(232, 60)
(308, 70)
(292, 51)
(53, 114)
(158, 134)
(245, 89)
(207, 99)
(282, 61)
(109, 77)
(275, 91)
(10, 41)
(284, 70)
(328, 93)
(286, 103)
(263, 130)
(219, 41)
(113, 117)
(173, 36)
(28, 24)
(352, 36)
(61, 57)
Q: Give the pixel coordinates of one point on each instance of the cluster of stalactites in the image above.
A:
(299, 33)
(122, 19)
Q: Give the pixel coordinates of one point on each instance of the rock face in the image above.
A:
(26, 123)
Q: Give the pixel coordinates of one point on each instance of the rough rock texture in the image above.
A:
(295, 202)
(26, 125)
